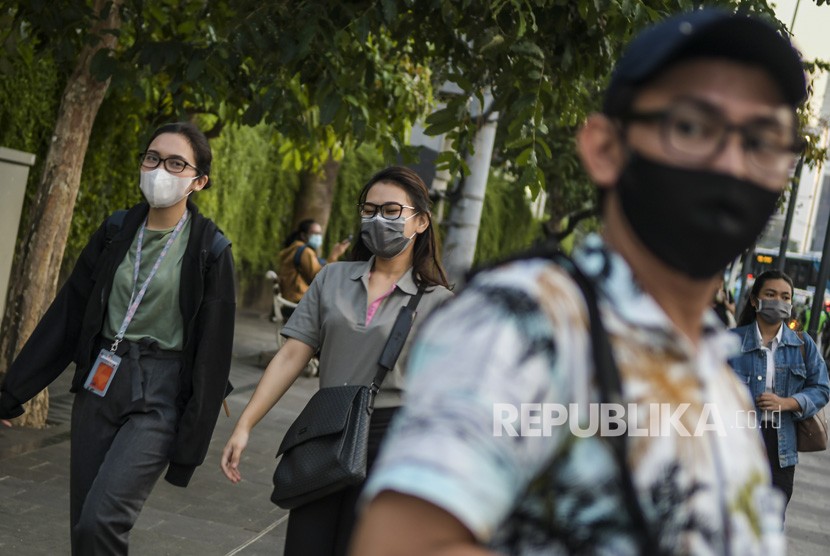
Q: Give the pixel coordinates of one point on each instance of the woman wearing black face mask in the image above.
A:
(782, 369)
(347, 315)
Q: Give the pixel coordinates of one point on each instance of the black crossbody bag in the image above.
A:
(325, 449)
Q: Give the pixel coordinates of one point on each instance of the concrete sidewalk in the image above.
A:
(214, 517)
(209, 517)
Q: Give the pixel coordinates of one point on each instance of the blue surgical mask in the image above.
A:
(315, 241)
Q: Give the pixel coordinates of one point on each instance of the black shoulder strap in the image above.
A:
(397, 338)
(114, 223)
(220, 243)
(610, 387)
(298, 255)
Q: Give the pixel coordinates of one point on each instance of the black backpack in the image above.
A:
(116, 220)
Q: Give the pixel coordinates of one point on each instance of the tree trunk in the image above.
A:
(41, 249)
(465, 215)
(316, 194)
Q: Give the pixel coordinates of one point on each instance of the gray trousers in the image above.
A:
(120, 446)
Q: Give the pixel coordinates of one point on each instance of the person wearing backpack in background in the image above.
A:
(147, 315)
(498, 447)
(299, 262)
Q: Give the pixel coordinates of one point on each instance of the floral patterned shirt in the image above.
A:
(483, 435)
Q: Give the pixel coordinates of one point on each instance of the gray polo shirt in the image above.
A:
(331, 317)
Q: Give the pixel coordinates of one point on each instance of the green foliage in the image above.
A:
(252, 198)
(358, 166)
(30, 86)
(814, 153)
(544, 62)
(328, 75)
(508, 225)
(110, 176)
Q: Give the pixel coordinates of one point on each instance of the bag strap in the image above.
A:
(397, 339)
(114, 223)
(610, 387)
(298, 254)
(800, 335)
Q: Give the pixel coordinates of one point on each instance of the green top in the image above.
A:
(158, 316)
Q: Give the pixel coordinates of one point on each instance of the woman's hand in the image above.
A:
(233, 453)
(338, 250)
(771, 402)
(278, 377)
(5, 422)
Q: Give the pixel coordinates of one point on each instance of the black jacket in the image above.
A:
(69, 332)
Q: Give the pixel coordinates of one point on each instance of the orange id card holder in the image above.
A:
(102, 372)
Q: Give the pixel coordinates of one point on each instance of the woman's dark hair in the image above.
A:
(748, 314)
(425, 262)
(302, 230)
(198, 142)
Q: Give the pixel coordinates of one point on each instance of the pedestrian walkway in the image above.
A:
(209, 517)
(214, 517)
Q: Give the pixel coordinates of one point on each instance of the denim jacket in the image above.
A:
(801, 377)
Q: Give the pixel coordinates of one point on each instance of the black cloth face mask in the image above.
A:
(694, 221)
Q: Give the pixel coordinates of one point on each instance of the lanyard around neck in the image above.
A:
(135, 299)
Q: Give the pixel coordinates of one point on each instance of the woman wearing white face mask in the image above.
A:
(783, 370)
(300, 263)
(147, 317)
(347, 315)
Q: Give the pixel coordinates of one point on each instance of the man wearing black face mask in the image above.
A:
(501, 446)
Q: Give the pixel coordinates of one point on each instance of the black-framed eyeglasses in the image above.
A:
(697, 132)
(174, 165)
(389, 211)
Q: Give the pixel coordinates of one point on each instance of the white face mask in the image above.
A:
(162, 189)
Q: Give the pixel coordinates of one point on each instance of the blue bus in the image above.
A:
(802, 268)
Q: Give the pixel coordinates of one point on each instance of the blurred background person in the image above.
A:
(724, 305)
(299, 261)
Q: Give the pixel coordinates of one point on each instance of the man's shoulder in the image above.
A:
(539, 279)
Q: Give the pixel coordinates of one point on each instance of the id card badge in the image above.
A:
(102, 372)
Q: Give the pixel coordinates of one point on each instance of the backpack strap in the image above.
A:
(220, 243)
(116, 220)
(113, 225)
(610, 387)
(298, 255)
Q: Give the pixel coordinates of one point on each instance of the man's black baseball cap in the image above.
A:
(706, 33)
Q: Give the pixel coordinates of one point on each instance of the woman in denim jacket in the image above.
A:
(783, 370)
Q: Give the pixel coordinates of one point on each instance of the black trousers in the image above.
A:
(120, 446)
(782, 477)
(324, 527)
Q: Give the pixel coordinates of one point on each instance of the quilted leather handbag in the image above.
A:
(325, 448)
